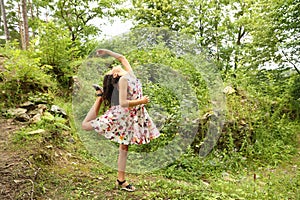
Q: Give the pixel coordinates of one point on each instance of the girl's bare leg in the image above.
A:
(123, 151)
(92, 114)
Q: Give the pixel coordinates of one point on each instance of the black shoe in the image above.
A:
(121, 185)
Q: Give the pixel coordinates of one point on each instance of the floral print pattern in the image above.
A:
(127, 125)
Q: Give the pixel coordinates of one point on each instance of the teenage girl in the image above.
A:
(127, 120)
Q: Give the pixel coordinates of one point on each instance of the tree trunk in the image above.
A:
(6, 31)
(32, 17)
(240, 35)
(25, 23)
(21, 27)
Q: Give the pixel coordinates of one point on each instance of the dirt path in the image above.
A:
(13, 166)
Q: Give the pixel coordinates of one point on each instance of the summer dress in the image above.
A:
(127, 125)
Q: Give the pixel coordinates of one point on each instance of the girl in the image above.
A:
(127, 120)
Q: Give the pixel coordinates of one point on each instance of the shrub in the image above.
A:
(55, 49)
(22, 76)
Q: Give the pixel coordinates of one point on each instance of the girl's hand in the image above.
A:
(145, 99)
(101, 52)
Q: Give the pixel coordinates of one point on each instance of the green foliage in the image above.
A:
(292, 98)
(54, 129)
(237, 34)
(56, 53)
(261, 99)
(171, 14)
(219, 26)
(262, 116)
(295, 88)
(260, 121)
(22, 75)
(285, 17)
(82, 19)
(12, 22)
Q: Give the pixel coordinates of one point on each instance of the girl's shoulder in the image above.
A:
(129, 75)
(124, 77)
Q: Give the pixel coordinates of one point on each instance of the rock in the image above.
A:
(36, 118)
(39, 131)
(16, 111)
(229, 90)
(19, 114)
(33, 112)
(57, 110)
(39, 110)
(27, 105)
(42, 106)
(23, 117)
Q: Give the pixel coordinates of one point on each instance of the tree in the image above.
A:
(77, 15)
(218, 25)
(237, 33)
(286, 19)
(79, 18)
(275, 31)
(13, 16)
(3, 11)
(55, 52)
(160, 13)
(25, 25)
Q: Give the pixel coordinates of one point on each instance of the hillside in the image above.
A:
(37, 167)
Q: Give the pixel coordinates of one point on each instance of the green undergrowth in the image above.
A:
(257, 155)
(66, 170)
(74, 174)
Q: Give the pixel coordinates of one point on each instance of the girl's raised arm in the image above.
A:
(118, 56)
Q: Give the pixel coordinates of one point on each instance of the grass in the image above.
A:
(91, 180)
(70, 172)
(61, 168)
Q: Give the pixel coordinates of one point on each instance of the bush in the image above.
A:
(22, 76)
(55, 49)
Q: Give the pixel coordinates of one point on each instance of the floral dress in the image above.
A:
(127, 125)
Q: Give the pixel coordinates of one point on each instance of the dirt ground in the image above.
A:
(16, 180)
(18, 174)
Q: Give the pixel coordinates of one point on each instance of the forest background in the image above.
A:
(255, 48)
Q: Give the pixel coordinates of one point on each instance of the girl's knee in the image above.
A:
(86, 126)
(123, 147)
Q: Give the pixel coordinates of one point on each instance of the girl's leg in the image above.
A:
(92, 114)
(123, 151)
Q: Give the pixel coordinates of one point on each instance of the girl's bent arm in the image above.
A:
(123, 95)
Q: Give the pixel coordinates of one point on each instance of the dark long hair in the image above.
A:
(110, 90)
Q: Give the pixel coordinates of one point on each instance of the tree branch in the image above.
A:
(291, 62)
